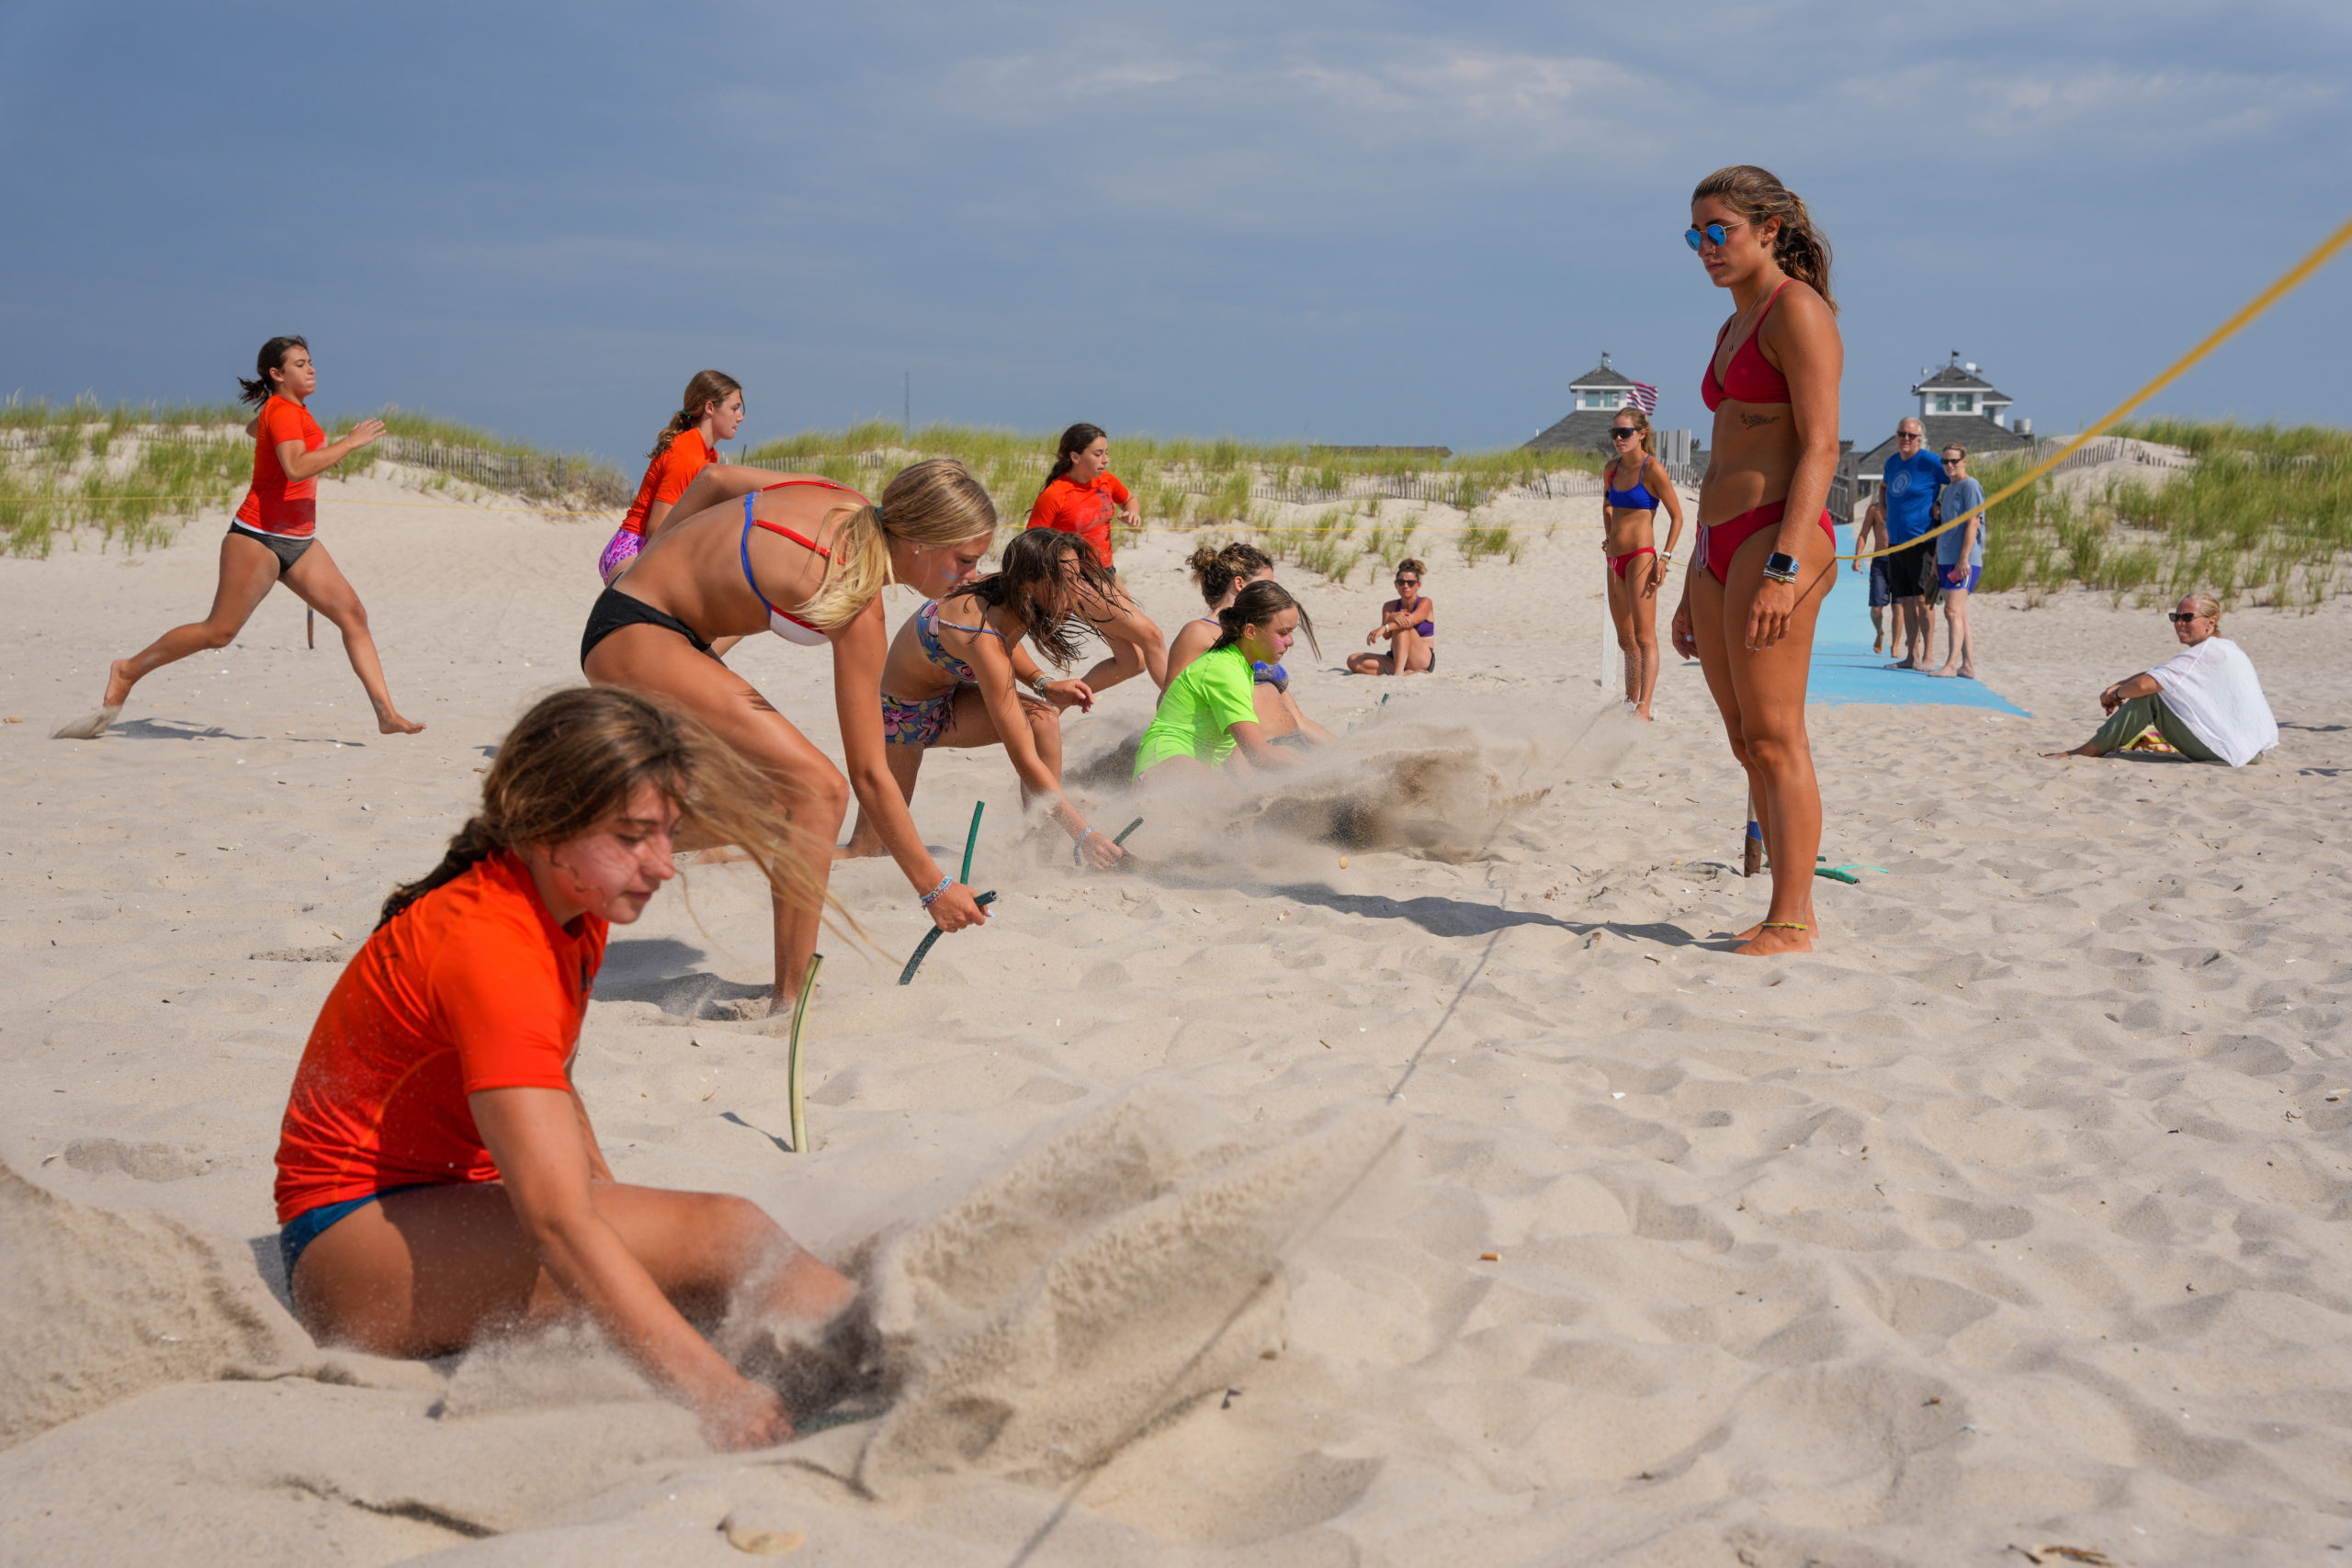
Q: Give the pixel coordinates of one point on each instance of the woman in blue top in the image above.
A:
(1959, 560)
(1628, 542)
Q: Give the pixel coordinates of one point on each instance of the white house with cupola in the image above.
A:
(1957, 407)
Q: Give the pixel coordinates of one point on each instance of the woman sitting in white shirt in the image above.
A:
(2204, 701)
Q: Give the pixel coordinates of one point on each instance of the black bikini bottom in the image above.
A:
(615, 609)
(288, 550)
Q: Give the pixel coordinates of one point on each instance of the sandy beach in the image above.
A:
(1448, 1196)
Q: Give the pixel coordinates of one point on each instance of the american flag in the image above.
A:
(1645, 397)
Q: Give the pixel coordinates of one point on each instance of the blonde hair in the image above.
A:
(2206, 605)
(934, 502)
(1801, 249)
(1641, 423)
(579, 753)
(708, 386)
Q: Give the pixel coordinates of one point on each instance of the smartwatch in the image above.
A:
(1780, 568)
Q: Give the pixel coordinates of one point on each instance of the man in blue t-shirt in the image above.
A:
(1913, 479)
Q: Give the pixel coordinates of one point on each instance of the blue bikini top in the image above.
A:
(1638, 499)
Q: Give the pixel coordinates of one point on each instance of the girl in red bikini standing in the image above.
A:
(1766, 550)
(746, 551)
(1635, 484)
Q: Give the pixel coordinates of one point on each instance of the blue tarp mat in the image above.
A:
(1845, 671)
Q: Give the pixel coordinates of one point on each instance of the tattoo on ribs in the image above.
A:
(1752, 419)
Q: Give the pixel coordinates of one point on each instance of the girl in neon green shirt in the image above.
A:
(1207, 713)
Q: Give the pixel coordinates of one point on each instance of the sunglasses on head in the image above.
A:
(2176, 618)
(1713, 233)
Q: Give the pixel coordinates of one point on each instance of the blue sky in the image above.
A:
(1353, 223)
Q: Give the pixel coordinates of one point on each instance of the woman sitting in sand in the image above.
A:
(826, 552)
(2204, 703)
(1081, 498)
(711, 411)
(1767, 551)
(957, 677)
(1410, 623)
(1221, 574)
(274, 539)
(1635, 484)
(438, 1179)
(1206, 713)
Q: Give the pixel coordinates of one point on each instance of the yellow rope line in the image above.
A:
(2213, 340)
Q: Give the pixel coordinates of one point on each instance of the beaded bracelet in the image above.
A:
(945, 884)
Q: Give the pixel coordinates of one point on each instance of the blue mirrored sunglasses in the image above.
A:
(1713, 233)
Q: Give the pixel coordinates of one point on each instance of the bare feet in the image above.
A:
(1774, 938)
(1943, 674)
(391, 723)
(119, 683)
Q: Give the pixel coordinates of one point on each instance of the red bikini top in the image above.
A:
(1752, 377)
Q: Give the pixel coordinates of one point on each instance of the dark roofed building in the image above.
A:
(1598, 394)
(1957, 408)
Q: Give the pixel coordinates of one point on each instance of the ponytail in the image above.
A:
(1800, 249)
(1075, 439)
(1254, 607)
(934, 502)
(271, 358)
(708, 386)
(474, 843)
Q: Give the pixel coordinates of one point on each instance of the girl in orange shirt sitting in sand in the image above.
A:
(274, 539)
(438, 1179)
(710, 413)
(1082, 496)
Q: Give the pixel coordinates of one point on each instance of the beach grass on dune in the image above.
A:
(132, 473)
(2264, 518)
(1215, 482)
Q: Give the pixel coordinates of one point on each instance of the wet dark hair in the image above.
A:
(1075, 439)
(1031, 581)
(1254, 607)
(271, 358)
(1217, 570)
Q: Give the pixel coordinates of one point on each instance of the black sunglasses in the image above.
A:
(1620, 432)
(1408, 582)
(2176, 618)
(1954, 462)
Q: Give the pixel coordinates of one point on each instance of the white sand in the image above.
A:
(2005, 1219)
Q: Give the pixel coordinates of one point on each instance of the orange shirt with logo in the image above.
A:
(1083, 510)
(277, 504)
(667, 476)
(472, 986)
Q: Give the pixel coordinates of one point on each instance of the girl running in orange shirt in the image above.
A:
(711, 411)
(438, 1179)
(747, 551)
(274, 539)
(1082, 496)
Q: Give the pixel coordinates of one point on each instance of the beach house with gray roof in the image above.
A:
(1957, 408)
(1594, 399)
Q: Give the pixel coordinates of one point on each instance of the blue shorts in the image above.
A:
(1951, 576)
(295, 1237)
(1882, 591)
